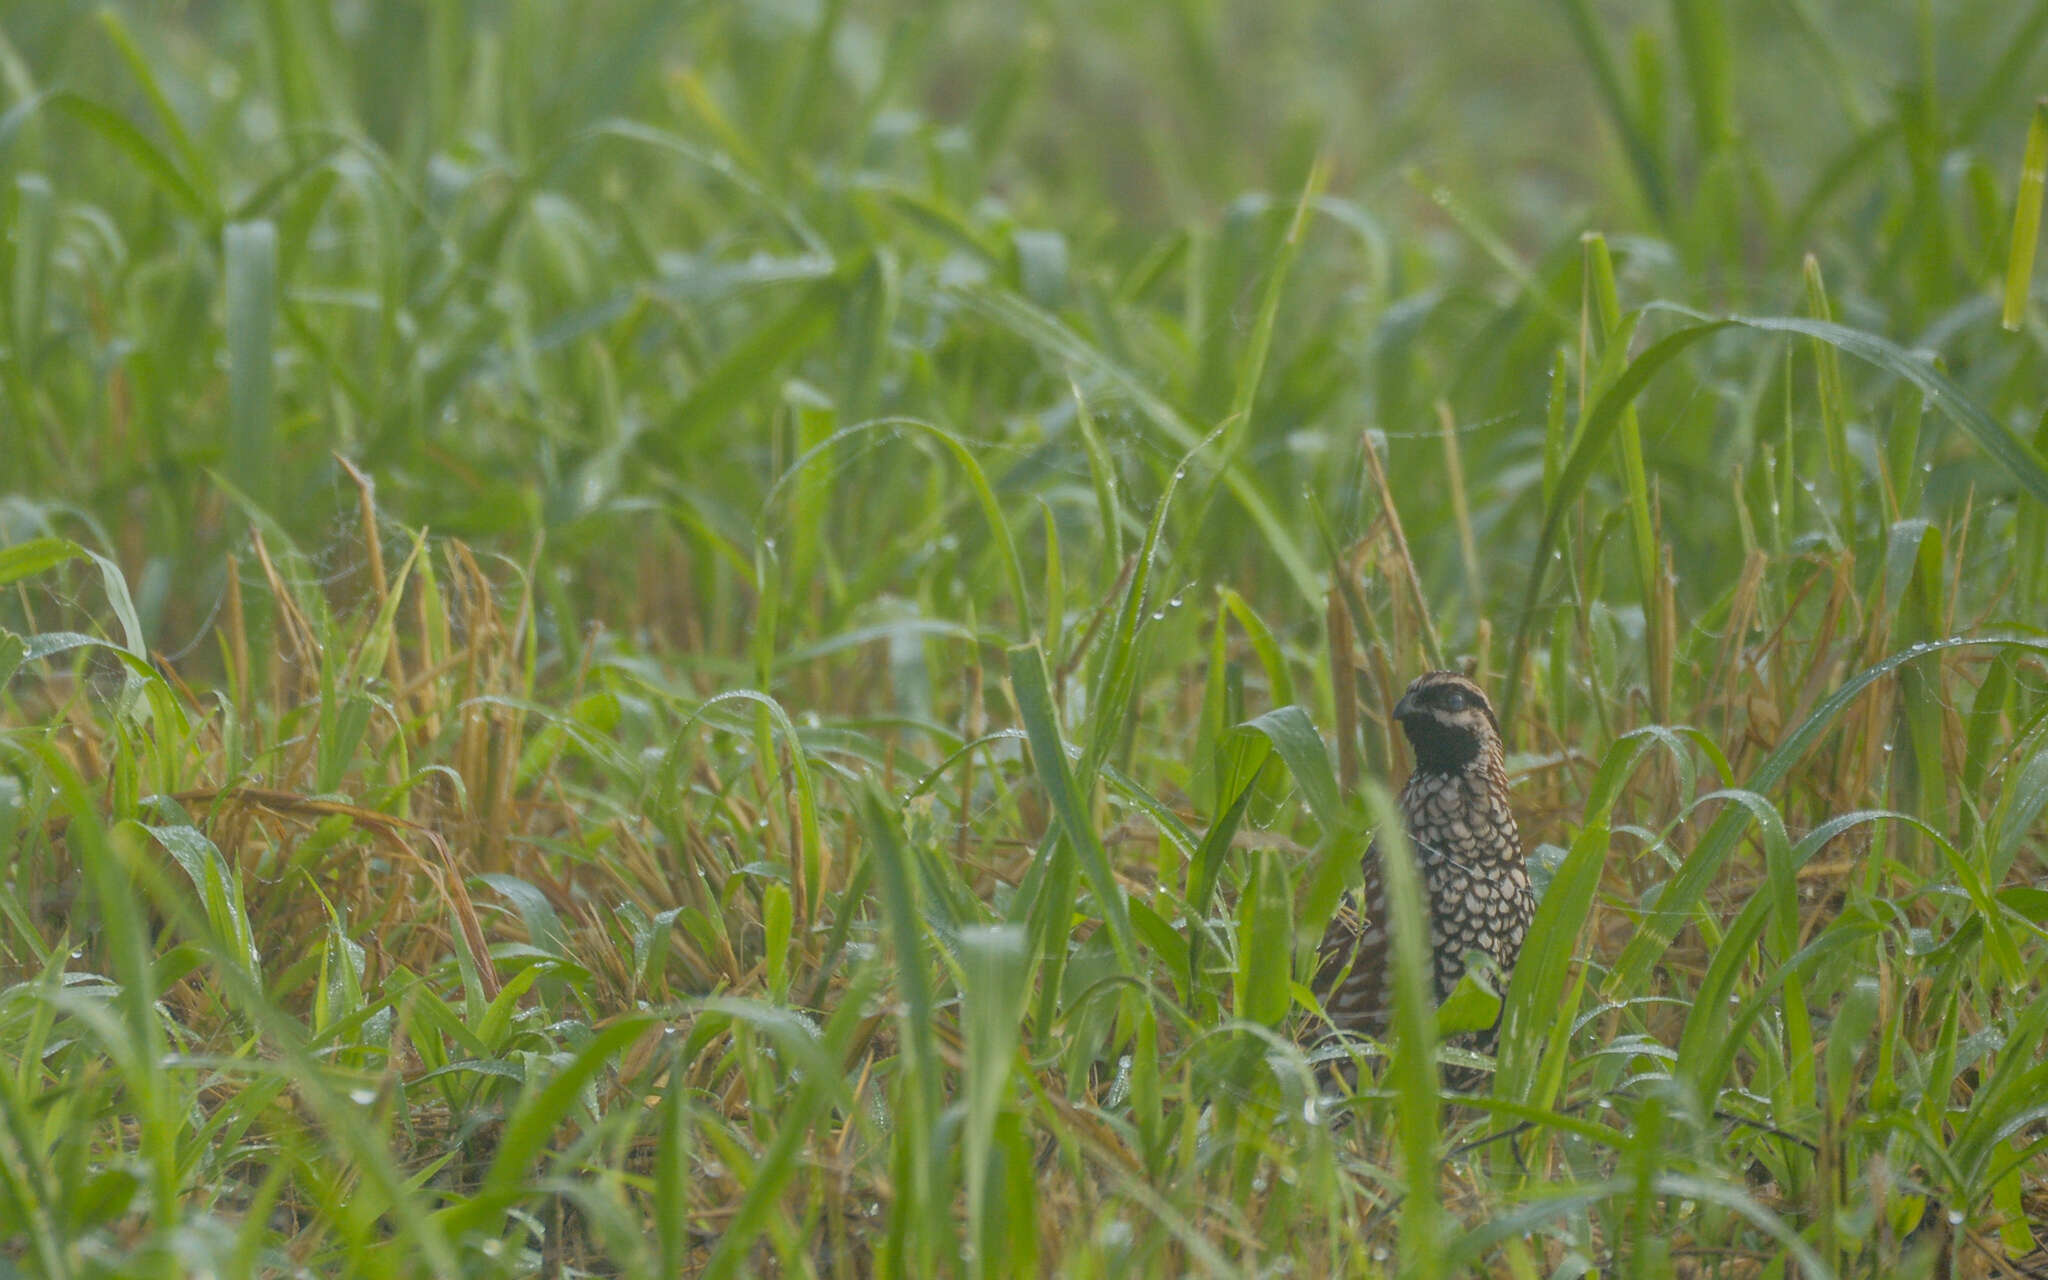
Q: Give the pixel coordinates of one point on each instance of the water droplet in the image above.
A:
(1180, 472)
(1174, 603)
(1887, 748)
(1158, 615)
(1955, 1217)
(362, 1097)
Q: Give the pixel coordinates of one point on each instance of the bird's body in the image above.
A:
(1467, 848)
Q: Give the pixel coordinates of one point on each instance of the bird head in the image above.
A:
(1448, 721)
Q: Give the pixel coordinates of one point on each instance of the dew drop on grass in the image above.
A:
(1158, 615)
(1174, 603)
(1887, 748)
(362, 1097)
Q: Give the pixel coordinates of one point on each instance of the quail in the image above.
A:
(1466, 847)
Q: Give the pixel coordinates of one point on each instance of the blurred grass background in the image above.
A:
(648, 638)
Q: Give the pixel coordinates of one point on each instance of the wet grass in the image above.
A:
(745, 640)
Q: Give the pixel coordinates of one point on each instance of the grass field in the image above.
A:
(649, 639)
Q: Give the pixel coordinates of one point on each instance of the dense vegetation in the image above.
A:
(651, 639)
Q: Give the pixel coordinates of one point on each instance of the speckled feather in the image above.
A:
(1455, 810)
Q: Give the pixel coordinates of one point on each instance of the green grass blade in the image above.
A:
(2026, 220)
(1265, 933)
(996, 965)
(1413, 1071)
(1049, 756)
(1047, 333)
(1994, 437)
(34, 221)
(1294, 737)
(252, 462)
(1641, 147)
(115, 130)
(1675, 902)
(811, 846)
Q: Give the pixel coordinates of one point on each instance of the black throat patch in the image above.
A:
(1439, 747)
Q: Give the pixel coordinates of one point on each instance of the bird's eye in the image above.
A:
(1452, 700)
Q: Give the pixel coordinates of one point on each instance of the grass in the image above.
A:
(754, 639)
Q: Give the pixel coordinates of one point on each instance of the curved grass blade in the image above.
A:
(1994, 437)
(1530, 1217)
(1049, 754)
(115, 129)
(1205, 867)
(811, 853)
(817, 1086)
(1674, 905)
(977, 479)
(1536, 989)
(1047, 333)
(1294, 737)
(537, 1117)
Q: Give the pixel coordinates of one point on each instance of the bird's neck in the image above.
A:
(1482, 772)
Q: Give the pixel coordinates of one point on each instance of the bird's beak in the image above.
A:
(1405, 707)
